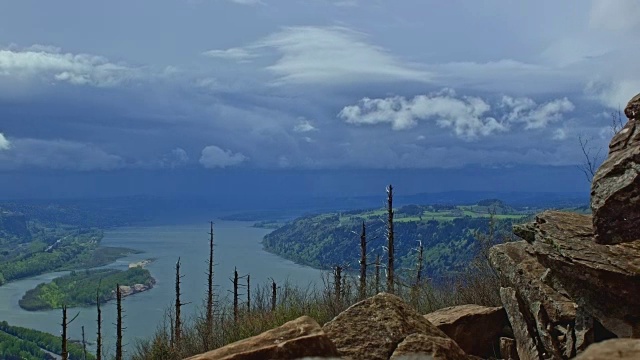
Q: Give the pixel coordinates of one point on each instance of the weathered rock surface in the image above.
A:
(420, 346)
(508, 350)
(476, 329)
(603, 279)
(527, 342)
(628, 349)
(373, 328)
(299, 338)
(615, 190)
(542, 318)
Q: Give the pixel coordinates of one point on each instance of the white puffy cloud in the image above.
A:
(51, 64)
(559, 134)
(215, 157)
(57, 154)
(176, 158)
(332, 55)
(304, 126)
(468, 116)
(4, 143)
(534, 116)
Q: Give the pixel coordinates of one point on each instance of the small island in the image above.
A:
(79, 288)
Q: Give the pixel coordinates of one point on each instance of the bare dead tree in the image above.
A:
(363, 262)
(337, 282)
(65, 324)
(178, 307)
(274, 294)
(617, 121)
(209, 316)
(390, 240)
(419, 265)
(235, 294)
(84, 345)
(248, 293)
(591, 156)
(99, 338)
(119, 327)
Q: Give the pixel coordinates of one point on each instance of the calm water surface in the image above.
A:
(237, 245)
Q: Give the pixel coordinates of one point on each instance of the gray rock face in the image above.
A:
(372, 328)
(615, 191)
(296, 339)
(542, 318)
(602, 279)
(476, 329)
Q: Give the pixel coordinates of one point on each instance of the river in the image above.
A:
(237, 245)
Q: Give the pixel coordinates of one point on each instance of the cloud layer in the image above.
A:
(214, 157)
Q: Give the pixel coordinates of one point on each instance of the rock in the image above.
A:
(508, 349)
(603, 279)
(538, 309)
(299, 338)
(420, 346)
(615, 190)
(527, 341)
(476, 329)
(628, 349)
(373, 328)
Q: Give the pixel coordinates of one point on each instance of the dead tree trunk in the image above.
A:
(64, 354)
(119, 327)
(337, 282)
(274, 294)
(248, 293)
(390, 244)
(363, 262)
(209, 316)
(84, 345)
(99, 338)
(419, 266)
(235, 294)
(178, 306)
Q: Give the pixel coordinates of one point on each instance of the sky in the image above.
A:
(106, 97)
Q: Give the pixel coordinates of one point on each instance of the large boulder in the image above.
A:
(615, 190)
(372, 328)
(476, 329)
(603, 279)
(296, 339)
(420, 346)
(623, 349)
(542, 316)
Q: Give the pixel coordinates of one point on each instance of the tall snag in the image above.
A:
(119, 327)
(377, 279)
(64, 353)
(209, 316)
(177, 328)
(390, 240)
(363, 262)
(99, 338)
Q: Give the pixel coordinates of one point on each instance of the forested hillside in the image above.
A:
(445, 231)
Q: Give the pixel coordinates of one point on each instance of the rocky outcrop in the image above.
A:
(615, 191)
(373, 328)
(299, 338)
(575, 279)
(420, 346)
(508, 349)
(603, 279)
(622, 349)
(476, 329)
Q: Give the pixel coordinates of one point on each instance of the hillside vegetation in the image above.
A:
(79, 288)
(446, 232)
